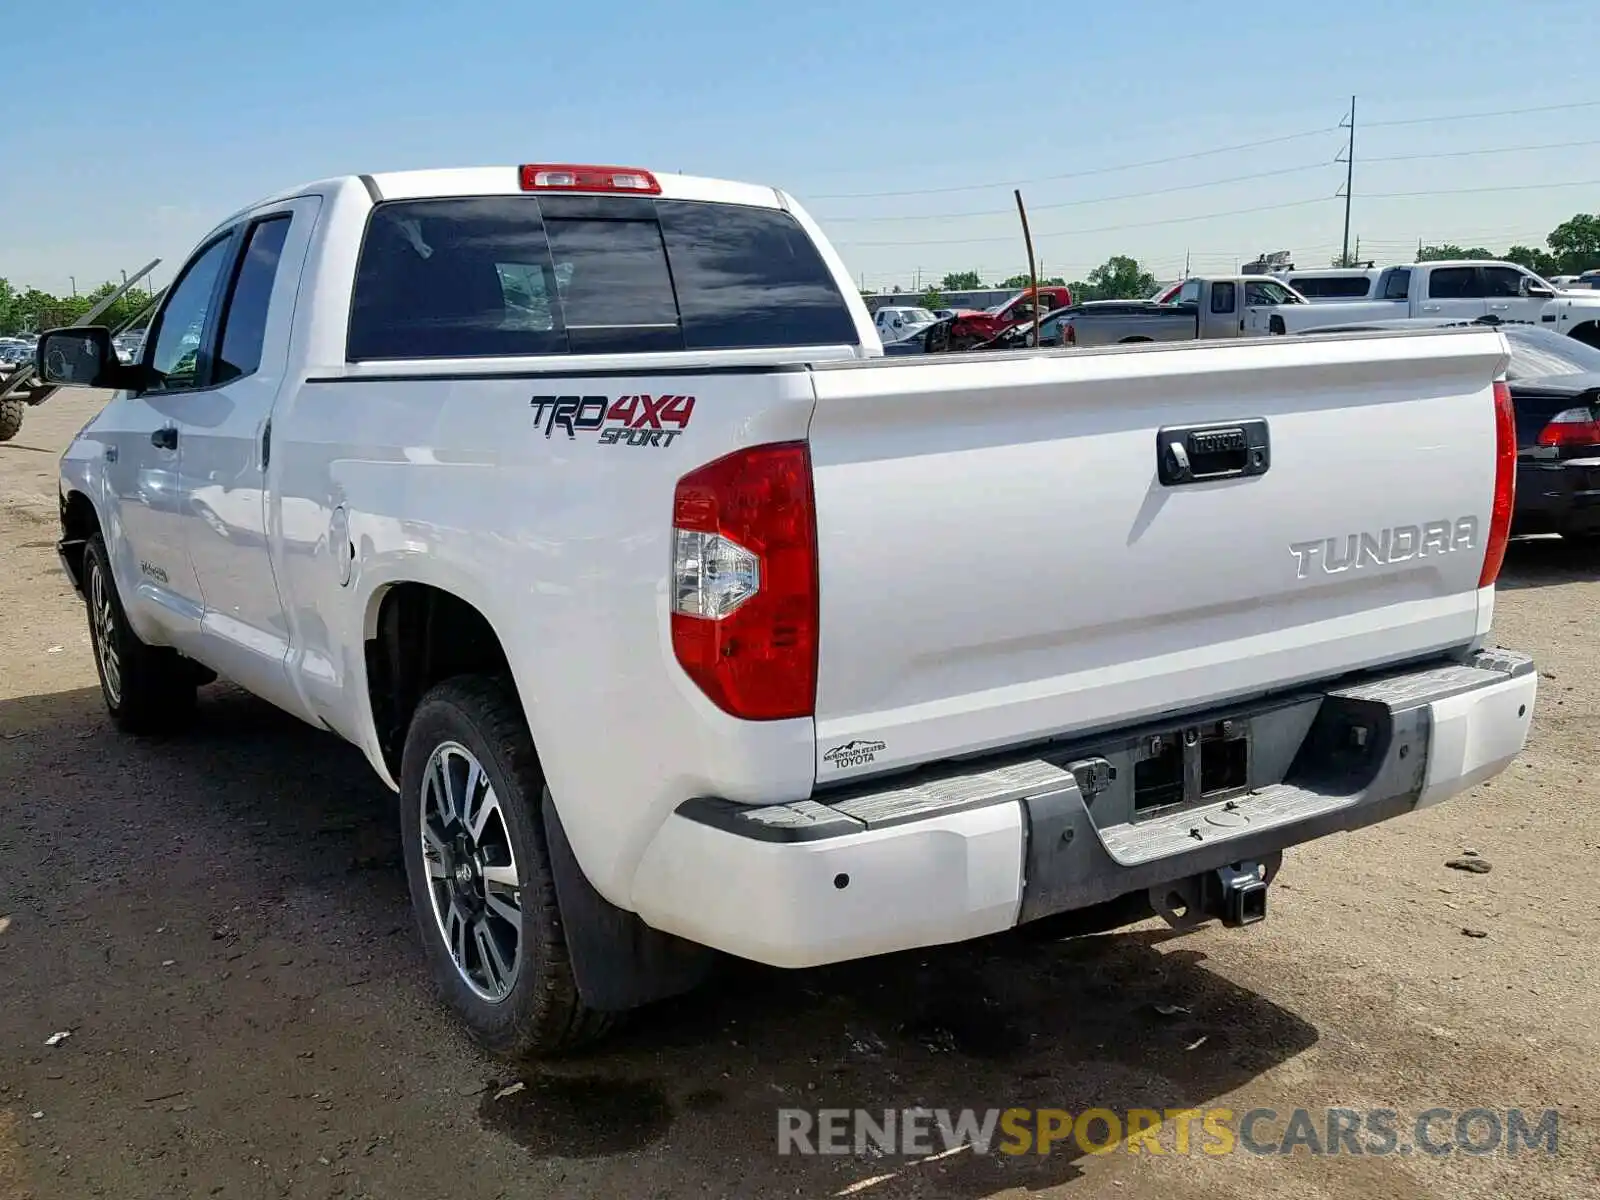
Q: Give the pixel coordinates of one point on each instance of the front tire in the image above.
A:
(11, 412)
(147, 689)
(479, 872)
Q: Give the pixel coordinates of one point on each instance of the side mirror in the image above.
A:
(1529, 288)
(79, 357)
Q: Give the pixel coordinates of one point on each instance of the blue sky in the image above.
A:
(132, 127)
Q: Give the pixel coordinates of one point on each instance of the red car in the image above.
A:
(971, 328)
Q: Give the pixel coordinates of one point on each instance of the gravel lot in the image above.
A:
(220, 922)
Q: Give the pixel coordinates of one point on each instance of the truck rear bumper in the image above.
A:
(979, 847)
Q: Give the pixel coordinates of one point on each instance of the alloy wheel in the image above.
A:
(473, 879)
(103, 631)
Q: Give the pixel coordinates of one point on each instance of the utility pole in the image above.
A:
(1349, 179)
(72, 279)
(1033, 270)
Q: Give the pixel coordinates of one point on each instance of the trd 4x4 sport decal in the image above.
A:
(638, 420)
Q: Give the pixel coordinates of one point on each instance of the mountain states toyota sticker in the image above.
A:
(853, 754)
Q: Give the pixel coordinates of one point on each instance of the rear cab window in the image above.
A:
(573, 274)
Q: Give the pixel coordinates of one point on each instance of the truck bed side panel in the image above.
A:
(562, 541)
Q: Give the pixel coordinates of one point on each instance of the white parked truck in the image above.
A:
(1467, 290)
(583, 501)
(1203, 306)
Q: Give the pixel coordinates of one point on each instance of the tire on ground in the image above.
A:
(11, 412)
(541, 1014)
(147, 689)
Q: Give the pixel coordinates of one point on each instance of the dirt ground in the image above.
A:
(220, 922)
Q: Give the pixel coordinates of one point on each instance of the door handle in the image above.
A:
(1202, 453)
(165, 438)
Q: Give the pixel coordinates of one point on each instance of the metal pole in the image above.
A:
(1033, 273)
(1349, 179)
(73, 279)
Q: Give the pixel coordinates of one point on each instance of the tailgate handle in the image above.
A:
(1203, 453)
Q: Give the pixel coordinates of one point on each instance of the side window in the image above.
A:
(1397, 286)
(1502, 282)
(1223, 297)
(619, 299)
(750, 277)
(244, 320)
(1189, 293)
(180, 326)
(1453, 283)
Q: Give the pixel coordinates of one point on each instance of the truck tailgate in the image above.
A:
(1000, 559)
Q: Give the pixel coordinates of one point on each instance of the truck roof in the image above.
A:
(506, 181)
(1458, 262)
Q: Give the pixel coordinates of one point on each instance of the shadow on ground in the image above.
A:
(268, 852)
(1543, 561)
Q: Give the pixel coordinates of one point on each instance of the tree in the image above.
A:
(932, 299)
(1022, 281)
(1575, 244)
(1538, 261)
(33, 310)
(1449, 250)
(961, 281)
(1118, 278)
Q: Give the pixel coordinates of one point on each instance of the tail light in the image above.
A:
(1572, 427)
(744, 582)
(1505, 484)
(566, 177)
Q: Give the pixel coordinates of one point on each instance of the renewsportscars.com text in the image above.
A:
(916, 1132)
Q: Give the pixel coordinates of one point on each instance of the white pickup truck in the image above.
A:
(1467, 290)
(583, 501)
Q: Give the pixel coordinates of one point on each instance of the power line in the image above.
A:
(1273, 141)
(1512, 187)
(1525, 187)
(1237, 212)
(1186, 187)
(1011, 183)
(1472, 153)
(1504, 112)
(989, 212)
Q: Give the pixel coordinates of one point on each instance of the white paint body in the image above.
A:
(997, 561)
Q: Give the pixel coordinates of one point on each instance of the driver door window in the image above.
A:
(1455, 292)
(177, 356)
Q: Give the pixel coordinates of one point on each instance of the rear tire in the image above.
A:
(479, 872)
(147, 689)
(11, 412)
